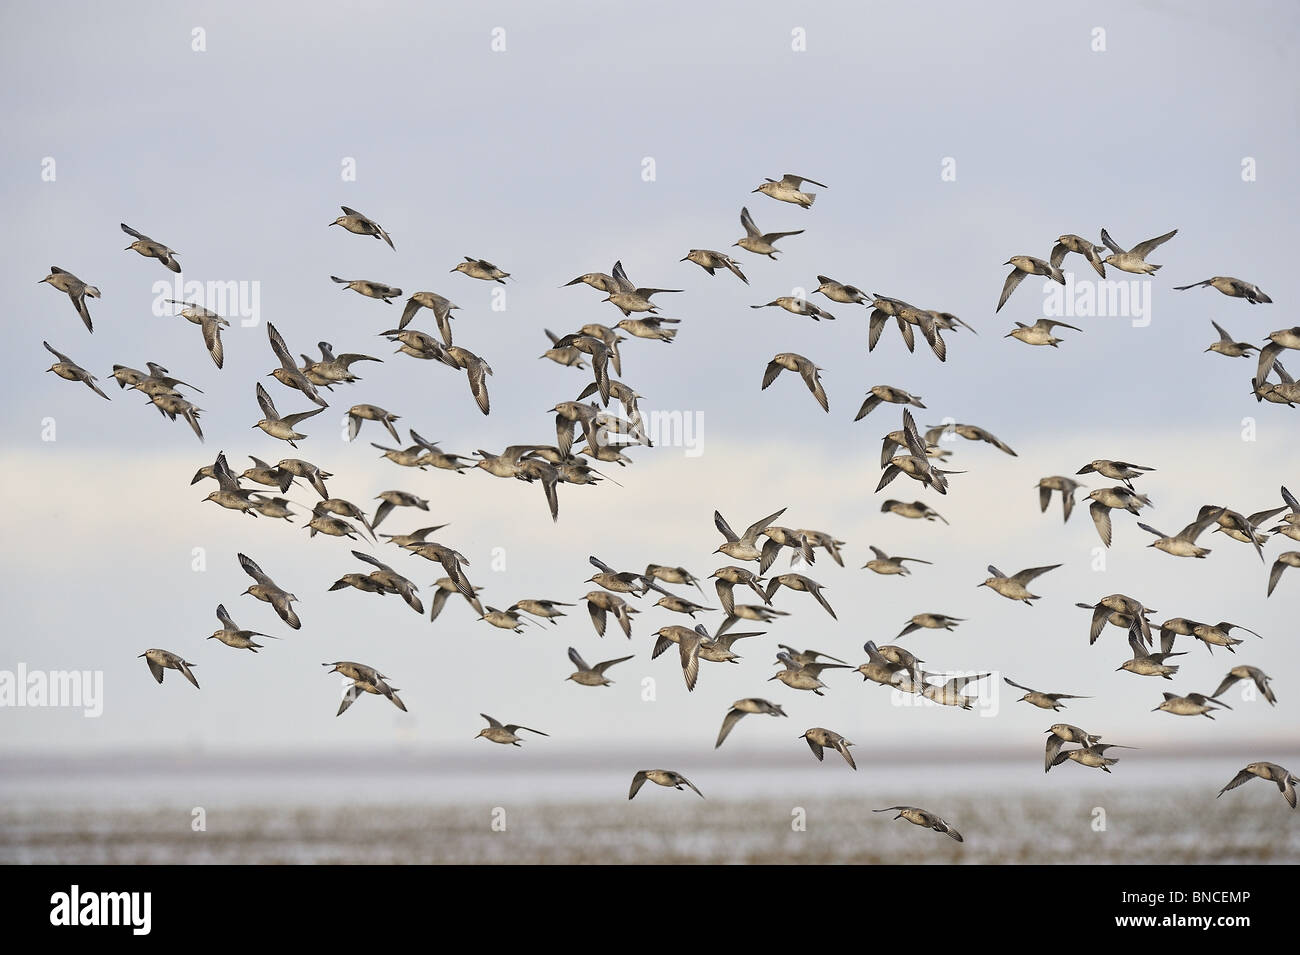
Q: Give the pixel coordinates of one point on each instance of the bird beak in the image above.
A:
(683, 258)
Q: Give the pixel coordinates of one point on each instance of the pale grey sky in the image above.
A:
(532, 157)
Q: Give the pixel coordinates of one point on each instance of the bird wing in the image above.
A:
(1143, 249)
(729, 722)
(842, 746)
(754, 529)
(1025, 576)
(689, 651)
(815, 747)
(1110, 243)
(748, 224)
(1101, 517)
(1203, 520)
(58, 354)
(815, 669)
(382, 511)
(212, 339)
(683, 779)
(960, 682)
(408, 313)
(620, 278)
(817, 595)
(1054, 744)
(798, 181)
(374, 561)
(477, 372)
(769, 374)
(280, 348)
(809, 373)
(251, 568)
(515, 727)
(1227, 682)
(876, 325)
(1012, 682)
(268, 406)
(597, 618)
(439, 601)
(292, 419)
(351, 694)
(491, 722)
(915, 446)
(606, 664)
(887, 451)
(1241, 777)
(992, 439)
(1013, 280)
(721, 524)
(637, 782)
(576, 658)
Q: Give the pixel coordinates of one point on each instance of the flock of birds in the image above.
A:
(605, 438)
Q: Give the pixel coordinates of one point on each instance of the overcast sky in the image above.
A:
(534, 157)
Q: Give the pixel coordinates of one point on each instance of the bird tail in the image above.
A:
(92, 291)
